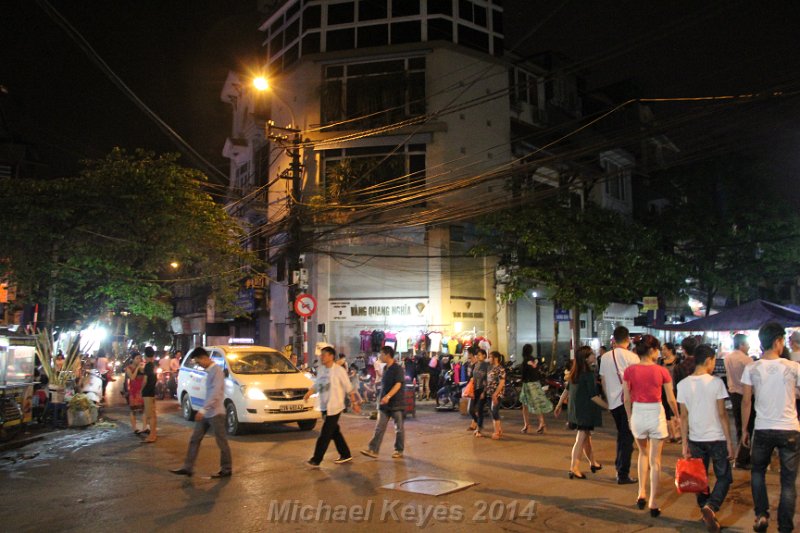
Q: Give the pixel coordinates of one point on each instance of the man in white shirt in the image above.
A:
(101, 365)
(774, 381)
(735, 363)
(331, 385)
(794, 346)
(706, 431)
(612, 366)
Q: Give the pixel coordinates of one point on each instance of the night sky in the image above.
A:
(175, 55)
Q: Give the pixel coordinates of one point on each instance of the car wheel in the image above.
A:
(186, 408)
(232, 425)
(306, 425)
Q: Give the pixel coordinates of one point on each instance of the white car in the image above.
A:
(261, 386)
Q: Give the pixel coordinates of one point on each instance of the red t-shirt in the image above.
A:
(646, 382)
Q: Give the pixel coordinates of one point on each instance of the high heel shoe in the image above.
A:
(596, 468)
(655, 513)
(573, 475)
(640, 503)
(524, 429)
(540, 429)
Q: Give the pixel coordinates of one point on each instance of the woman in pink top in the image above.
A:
(643, 384)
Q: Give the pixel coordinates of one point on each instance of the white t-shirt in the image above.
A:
(608, 371)
(795, 356)
(332, 385)
(436, 341)
(700, 394)
(774, 382)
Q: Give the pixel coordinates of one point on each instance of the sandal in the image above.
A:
(524, 429)
(496, 436)
(478, 434)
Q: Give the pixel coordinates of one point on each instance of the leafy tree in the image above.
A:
(104, 240)
(731, 232)
(587, 257)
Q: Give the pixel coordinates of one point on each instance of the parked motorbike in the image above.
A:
(554, 385)
(166, 384)
(449, 395)
(511, 393)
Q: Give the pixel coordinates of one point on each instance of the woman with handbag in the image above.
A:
(584, 409)
(532, 397)
(643, 384)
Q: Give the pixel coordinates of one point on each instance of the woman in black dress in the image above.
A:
(584, 411)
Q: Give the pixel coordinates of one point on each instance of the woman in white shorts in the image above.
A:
(643, 386)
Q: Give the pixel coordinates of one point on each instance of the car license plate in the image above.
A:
(292, 407)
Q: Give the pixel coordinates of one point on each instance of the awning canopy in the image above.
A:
(751, 315)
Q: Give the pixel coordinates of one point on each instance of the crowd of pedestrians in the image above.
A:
(652, 393)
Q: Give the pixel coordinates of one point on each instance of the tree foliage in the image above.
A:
(587, 257)
(731, 232)
(105, 239)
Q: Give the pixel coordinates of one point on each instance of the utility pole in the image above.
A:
(296, 267)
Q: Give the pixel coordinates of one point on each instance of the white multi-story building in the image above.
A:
(409, 118)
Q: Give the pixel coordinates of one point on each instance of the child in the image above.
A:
(705, 429)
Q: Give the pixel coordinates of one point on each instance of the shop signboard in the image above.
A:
(561, 315)
(397, 311)
(650, 303)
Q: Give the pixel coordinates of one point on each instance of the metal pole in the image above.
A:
(296, 240)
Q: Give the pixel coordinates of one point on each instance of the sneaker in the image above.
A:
(625, 481)
(312, 463)
(343, 460)
(761, 524)
(710, 519)
(397, 455)
(369, 453)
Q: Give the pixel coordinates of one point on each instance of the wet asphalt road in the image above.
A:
(105, 479)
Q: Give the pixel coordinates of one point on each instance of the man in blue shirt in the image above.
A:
(391, 406)
(211, 415)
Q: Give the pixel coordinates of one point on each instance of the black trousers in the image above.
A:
(330, 431)
(624, 442)
(742, 454)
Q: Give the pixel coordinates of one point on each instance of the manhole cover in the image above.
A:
(432, 486)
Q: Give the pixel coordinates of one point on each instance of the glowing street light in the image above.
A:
(261, 83)
(174, 264)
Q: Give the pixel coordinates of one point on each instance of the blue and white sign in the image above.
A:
(561, 315)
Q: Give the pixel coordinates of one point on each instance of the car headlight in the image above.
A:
(253, 393)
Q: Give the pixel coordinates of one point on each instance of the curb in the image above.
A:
(19, 443)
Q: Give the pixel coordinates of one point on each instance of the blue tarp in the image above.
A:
(751, 315)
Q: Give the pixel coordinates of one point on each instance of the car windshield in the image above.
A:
(260, 363)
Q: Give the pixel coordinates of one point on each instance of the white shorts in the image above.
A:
(648, 421)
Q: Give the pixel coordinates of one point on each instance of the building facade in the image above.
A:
(409, 122)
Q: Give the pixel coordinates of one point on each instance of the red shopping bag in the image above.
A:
(691, 476)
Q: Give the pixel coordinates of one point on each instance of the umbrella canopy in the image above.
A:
(751, 315)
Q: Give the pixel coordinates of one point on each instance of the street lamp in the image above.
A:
(295, 229)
